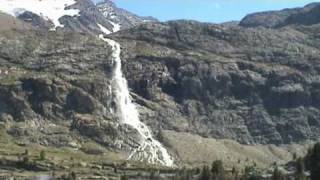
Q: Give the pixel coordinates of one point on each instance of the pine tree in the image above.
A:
(235, 173)
(217, 168)
(205, 173)
(250, 173)
(42, 155)
(72, 176)
(299, 174)
(124, 177)
(277, 175)
(294, 156)
(315, 162)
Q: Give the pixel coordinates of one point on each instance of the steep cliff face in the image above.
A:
(251, 85)
(55, 86)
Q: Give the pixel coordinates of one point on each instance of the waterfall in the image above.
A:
(150, 149)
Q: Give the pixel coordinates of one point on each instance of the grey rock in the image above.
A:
(307, 15)
(225, 81)
(120, 16)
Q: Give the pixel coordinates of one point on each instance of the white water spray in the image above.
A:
(150, 149)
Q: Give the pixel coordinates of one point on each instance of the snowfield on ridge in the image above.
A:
(51, 10)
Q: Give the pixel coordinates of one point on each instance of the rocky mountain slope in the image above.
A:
(188, 79)
(79, 16)
(59, 55)
(73, 15)
(307, 15)
(121, 16)
(251, 85)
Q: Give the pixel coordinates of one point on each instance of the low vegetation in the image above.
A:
(27, 163)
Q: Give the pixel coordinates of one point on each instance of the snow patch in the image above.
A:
(104, 29)
(116, 27)
(51, 10)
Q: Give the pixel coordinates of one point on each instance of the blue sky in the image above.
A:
(215, 11)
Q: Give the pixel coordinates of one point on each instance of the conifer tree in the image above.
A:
(205, 173)
(277, 175)
(315, 162)
(299, 174)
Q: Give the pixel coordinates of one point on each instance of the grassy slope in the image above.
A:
(193, 149)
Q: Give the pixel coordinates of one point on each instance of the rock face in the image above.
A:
(54, 86)
(89, 19)
(251, 85)
(121, 16)
(272, 19)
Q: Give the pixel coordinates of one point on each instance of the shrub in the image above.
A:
(42, 155)
(124, 177)
(217, 168)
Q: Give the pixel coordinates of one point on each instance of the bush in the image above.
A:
(73, 176)
(277, 175)
(217, 168)
(42, 155)
(124, 177)
(299, 174)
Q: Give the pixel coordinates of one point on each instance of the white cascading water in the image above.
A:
(150, 149)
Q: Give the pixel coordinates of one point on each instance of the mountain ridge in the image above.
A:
(307, 15)
(121, 16)
(89, 18)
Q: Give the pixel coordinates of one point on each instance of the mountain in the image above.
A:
(80, 16)
(250, 85)
(121, 16)
(175, 93)
(73, 15)
(307, 15)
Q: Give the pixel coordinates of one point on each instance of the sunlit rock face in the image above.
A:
(253, 85)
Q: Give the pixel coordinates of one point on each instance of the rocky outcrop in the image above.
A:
(52, 82)
(120, 16)
(307, 15)
(89, 20)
